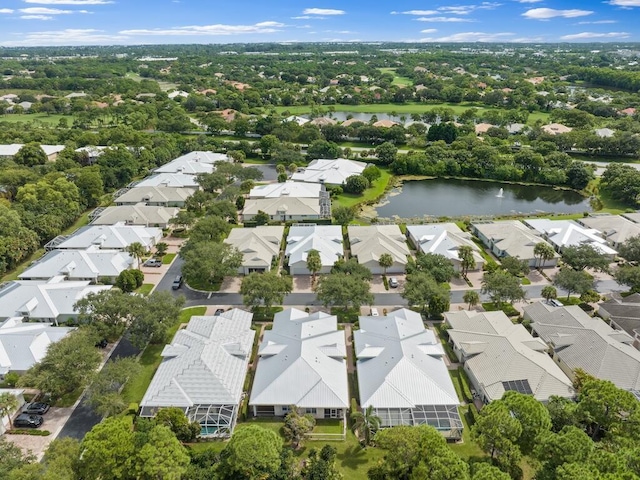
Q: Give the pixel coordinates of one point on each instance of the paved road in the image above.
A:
(83, 418)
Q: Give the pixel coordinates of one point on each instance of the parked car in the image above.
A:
(393, 282)
(374, 312)
(102, 343)
(28, 420)
(36, 408)
(153, 262)
(177, 282)
(219, 311)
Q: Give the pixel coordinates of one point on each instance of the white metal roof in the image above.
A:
(400, 363)
(136, 215)
(91, 263)
(370, 242)
(287, 189)
(258, 245)
(203, 156)
(614, 228)
(40, 299)
(152, 194)
(205, 364)
(498, 351)
(283, 206)
(24, 344)
(567, 233)
(117, 237)
(326, 239)
(11, 149)
(581, 341)
(334, 171)
(190, 166)
(169, 180)
(443, 239)
(302, 362)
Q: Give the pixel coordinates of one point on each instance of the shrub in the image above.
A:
(29, 431)
(11, 379)
(133, 409)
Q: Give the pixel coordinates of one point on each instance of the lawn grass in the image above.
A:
(36, 118)
(168, 258)
(508, 309)
(328, 425)
(69, 399)
(397, 80)
(467, 449)
(145, 289)
(150, 359)
(13, 275)
(370, 194)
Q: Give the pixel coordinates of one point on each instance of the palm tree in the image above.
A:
(385, 261)
(465, 254)
(161, 249)
(543, 251)
(136, 250)
(366, 423)
(8, 403)
(549, 292)
(471, 297)
(314, 264)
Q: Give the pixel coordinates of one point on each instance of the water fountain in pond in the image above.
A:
(500, 193)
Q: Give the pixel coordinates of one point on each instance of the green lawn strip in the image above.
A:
(507, 308)
(328, 425)
(370, 194)
(467, 449)
(35, 118)
(525, 281)
(205, 286)
(612, 206)
(145, 289)
(150, 359)
(80, 222)
(461, 384)
(445, 343)
(168, 258)
(69, 399)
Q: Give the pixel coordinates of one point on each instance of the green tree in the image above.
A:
(436, 265)
(497, 432)
(343, 215)
(296, 426)
(11, 458)
(8, 405)
(208, 263)
(162, 456)
(371, 173)
(265, 289)
(356, 184)
(129, 280)
(321, 465)
(385, 261)
(103, 395)
(366, 424)
(471, 298)
(252, 453)
(107, 312)
(61, 459)
(630, 249)
(386, 153)
(543, 252)
(152, 318)
(467, 260)
(177, 421)
(532, 415)
(501, 286)
(314, 264)
(628, 275)
(341, 289)
(67, 366)
(423, 290)
(573, 281)
(261, 218)
(585, 256)
(161, 249)
(323, 149)
(569, 445)
(549, 293)
(30, 155)
(108, 450)
(209, 229)
(352, 267)
(485, 471)
(515, 266)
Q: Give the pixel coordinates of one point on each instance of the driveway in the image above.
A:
(54, 421)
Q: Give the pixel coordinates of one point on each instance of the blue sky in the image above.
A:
(106, 22)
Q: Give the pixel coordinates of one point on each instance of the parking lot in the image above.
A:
(54, 420)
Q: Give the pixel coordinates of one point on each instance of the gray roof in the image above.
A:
(334, 171)
(590, 344)
(567, 233)
(512, 237)
(368, 243)
(400, 363)
(634, 216)
(498, 351)
(24, 344)
(136, 215)
(258, 245)
(326, 239)
(205, 364)
(283, 206)
(12, 149)
(48, 299)
(302, 362)
(614, 228)
(169, 180)
(624, 312)
(287, 189)
(117, 237)
(156, 194)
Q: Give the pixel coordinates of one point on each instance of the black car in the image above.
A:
(177, 282)
(28, 420)
(219, 311)
(102, 343)
(36, 408)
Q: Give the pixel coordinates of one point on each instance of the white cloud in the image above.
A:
(443, 19)
(304, 17)
(547, 13)
(598, 22)
(467, 9)
(590, 35)
(416, 12)
(625, 3)
(429, 30)
(70, 36)
(468, 37)
(214, 30)
(36, 17)
(322, 11)
(341, 32)
(49, 11)
(69, 2)
(528, 1)
(6, 10)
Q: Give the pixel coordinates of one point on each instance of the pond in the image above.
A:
(454, 198)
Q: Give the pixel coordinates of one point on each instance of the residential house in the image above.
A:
(259, 246)
(176, 179)
(567, 233)
(326, 239)
(482, 128)
(148, 216)
(50, 300)
(633, 216)
(623, 313)
(516, 128)
(444, 239)
(93, 152)
(578, 341)
(511, 238)
(402, 373)
(23, 344)
(288, 208)
(51, 151)
(322, 121)
(193, 163)
(614, 228)
(299, 120)
(203, 372)
(92, 264)
(556, 129)
(369, 243)
(108, 237)
(334, 171)
(288, 189)
(385, 124)
(605, 132)
(302, 363)
(156, 196)
(500, 356)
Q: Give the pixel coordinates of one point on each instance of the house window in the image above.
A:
(312, 411)
(285, 409)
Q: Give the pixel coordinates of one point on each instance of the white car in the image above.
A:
(374, 312)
